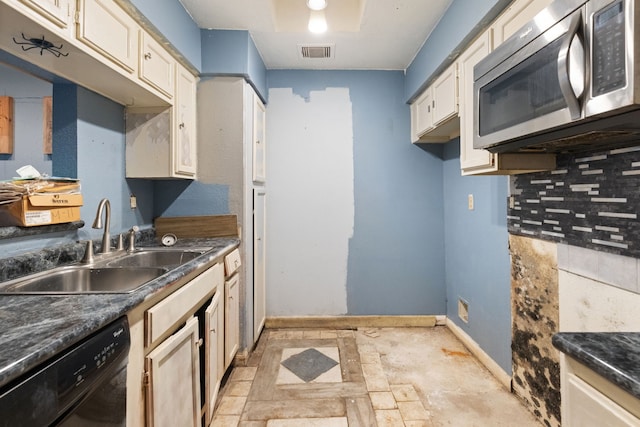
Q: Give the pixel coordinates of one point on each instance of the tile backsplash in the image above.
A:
(589, 201)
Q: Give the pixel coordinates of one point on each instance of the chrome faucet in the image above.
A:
(97, 223)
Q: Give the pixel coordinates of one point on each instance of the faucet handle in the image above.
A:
(120, 243)
(88, 253)
(132, 238)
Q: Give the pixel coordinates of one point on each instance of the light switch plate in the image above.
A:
(470, 201)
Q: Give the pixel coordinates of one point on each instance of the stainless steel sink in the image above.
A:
(155, 258)
(84, 279)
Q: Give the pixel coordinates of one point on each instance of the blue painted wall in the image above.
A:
(477, 256)
(396, 254)
(185, 198)
(233, 53)
(27, 93)
(173, 21)
(461, 17)
(94, 131)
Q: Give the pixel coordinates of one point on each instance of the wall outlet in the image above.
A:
(463, 310)
(133, 202)
(470, 201)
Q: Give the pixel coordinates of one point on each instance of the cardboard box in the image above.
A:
(41, 209)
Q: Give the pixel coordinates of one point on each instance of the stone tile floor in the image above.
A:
(389, 377)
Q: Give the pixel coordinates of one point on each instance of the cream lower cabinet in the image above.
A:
(231, 319)
(214, 354)
(177, 353)
(589, 400)
(173, 369)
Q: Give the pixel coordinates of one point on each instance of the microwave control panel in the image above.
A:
(608, 58)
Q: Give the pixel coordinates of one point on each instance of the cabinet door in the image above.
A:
(214, 353)
(231, 318)
(56, 11)
(108, 29)
(185, 118)
(259, 262)
(445, 95)
(587, 407)
(173, 373)
(423, 115)
(259, 160)
(157, 66)
(517, 14)
(470, 158)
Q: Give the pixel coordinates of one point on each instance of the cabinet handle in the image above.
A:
(181, 125)
(257, 141)
(199, 343)
(147, 55)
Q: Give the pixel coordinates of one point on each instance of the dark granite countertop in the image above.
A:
(35, 327)
(613, 355)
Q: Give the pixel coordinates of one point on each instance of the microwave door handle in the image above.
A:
(571, 73)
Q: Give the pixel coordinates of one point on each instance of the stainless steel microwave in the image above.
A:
(568, 81)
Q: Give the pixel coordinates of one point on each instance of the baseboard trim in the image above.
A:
(350, 322)
(500, 374)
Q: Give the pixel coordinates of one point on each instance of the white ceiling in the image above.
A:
(366, 34)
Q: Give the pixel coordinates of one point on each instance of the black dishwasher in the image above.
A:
(85, 385)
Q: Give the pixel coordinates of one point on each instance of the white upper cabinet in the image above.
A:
(108, 29)
(434, 115)
(421, 116)
(59, 12)
(482, 162)
(259, 144)
(445, 96)
(156, 66)
(514, 17)
(185, 160)
(471, 159)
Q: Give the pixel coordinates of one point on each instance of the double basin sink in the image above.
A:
(119, 273)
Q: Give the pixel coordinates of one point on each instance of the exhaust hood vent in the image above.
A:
(316, 51)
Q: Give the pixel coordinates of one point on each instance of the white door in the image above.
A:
(173, 370)
(259, 262)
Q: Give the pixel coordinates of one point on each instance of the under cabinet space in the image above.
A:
(161, 141)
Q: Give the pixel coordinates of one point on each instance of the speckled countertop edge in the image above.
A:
(35, 327)
(613, 355)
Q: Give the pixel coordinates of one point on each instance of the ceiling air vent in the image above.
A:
(316, 51)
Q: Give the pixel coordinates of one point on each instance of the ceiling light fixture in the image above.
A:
(317, 21)
(316, 4)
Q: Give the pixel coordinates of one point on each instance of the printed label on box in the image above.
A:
(37, 217)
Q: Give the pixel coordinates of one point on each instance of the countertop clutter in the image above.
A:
(35, 327)
(613, 355)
